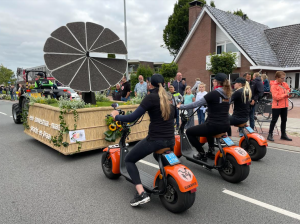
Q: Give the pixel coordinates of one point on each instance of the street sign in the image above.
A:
(8, 82)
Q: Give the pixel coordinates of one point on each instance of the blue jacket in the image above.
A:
(266, 86)
(179, 87)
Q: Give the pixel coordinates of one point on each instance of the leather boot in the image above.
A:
(285, 137)
(270, 137)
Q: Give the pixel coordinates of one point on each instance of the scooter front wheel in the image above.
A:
(106, 164)
(232, 171)
(255, 151)
(174, 200)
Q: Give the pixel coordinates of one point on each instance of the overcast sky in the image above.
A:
(26, 24)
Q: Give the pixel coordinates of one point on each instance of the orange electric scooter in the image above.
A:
(253, 143)
(231, 161)
(175, 184)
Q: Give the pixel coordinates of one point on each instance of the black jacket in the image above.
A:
(257, 88)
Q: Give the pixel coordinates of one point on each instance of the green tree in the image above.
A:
(111, 55)
(168, 71)
(177, 28)
(222, 63)
(145, 71)
(212, 4)
(6, 75)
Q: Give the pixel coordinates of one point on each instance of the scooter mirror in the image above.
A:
(114, 105)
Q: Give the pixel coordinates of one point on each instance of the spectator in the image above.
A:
(148, 80)
(189, 98)
(179, 84)
(280, 93)
(258, 84)
(116, 94)
(1, 89)
(266, 84)
(177, 97)
(125, 96)
(199, 96)
(13, 93)
(140, 88)
(195, 87)
(7, 90)
(215, 83)
(20, 90)
(257, 92)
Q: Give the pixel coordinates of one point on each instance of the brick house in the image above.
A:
(258, 47)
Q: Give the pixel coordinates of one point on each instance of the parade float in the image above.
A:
(71, 127)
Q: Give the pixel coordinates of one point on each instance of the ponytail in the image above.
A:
(227, 88)
(164, 102)
(247, 93)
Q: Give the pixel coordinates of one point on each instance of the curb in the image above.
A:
(274, 145)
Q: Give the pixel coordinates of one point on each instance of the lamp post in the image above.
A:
(125, 29)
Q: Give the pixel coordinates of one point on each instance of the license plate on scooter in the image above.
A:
(172, 158)
(228, 141)
(250, 130)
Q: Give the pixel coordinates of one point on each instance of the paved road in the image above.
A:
(39, 185)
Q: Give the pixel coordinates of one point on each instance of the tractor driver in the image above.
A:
(42, 83)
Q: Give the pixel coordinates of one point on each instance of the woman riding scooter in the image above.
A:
(241, 100)
(217, 122)
(160, 135)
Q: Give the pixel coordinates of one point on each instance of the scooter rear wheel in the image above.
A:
(256, 152)
(174, 200)
(106, 164)
(232, 171)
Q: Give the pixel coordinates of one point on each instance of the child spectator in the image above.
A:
(200, 95)
(189, 98)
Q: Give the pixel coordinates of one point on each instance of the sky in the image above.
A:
(25, 25)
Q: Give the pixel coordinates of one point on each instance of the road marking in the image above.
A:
(262, 204)
(10, 116)
(3, 113)
(149, 164)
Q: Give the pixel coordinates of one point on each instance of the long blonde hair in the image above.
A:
(164, 102)
(186, 88)
(226, 87)
(264, 76)
(247, 92)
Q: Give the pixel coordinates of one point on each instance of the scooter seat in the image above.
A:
(220, 135)
(241, 125)
(161, 151)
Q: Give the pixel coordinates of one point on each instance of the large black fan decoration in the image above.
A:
(67, 56)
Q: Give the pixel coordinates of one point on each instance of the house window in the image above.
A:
(231, 48)
(226, 47)
(220, 49)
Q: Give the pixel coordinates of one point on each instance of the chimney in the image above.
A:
(194, 11)
(244, 16)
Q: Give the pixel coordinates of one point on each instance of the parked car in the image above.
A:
(74, 94)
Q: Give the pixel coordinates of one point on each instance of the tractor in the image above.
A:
(44, 89)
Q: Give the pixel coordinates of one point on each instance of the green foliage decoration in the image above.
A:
(222, 63)
(115, 128)
(101, 97)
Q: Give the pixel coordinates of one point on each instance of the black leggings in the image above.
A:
(140, 150)
(204, 130)
(275, 114)
(236, 121)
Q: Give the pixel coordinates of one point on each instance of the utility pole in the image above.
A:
(125, 29)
